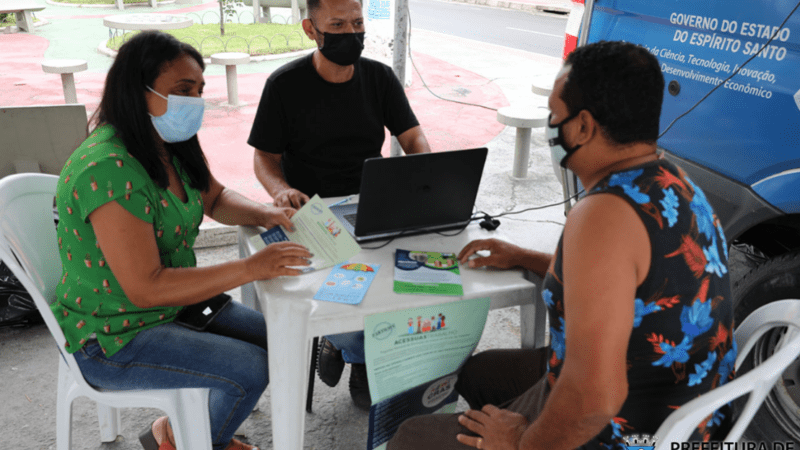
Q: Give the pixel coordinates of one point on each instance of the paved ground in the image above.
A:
(452, 67)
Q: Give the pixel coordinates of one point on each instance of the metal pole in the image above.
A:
(586, 22)
(256, 11)
(295, 11)
(399, 54)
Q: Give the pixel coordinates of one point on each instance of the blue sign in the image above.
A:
(378, 9)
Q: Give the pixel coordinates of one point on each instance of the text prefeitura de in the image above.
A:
(732, 446)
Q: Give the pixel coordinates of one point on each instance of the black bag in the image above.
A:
(17, 308)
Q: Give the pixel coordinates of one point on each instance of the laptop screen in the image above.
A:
(419, 191)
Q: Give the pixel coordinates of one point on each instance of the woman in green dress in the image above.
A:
(131, 199)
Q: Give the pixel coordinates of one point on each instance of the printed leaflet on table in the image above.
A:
(348, 283)
(413, 361)
(319, 230)
(420, 272)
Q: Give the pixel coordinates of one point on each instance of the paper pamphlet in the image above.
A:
(413, 361)
(318, 230)
(347, 283)
(421, 272)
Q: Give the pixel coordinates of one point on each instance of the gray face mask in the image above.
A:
(555, 138)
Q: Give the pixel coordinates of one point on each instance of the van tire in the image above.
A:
(778, 420)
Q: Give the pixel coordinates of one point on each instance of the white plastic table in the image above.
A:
(293, 317)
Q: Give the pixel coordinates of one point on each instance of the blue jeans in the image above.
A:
(229, 358)
(351, 346)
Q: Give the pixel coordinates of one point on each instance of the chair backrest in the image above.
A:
(28, 243)
(758, 382)
(45, 135)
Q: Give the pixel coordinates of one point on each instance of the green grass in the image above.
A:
(207, 40)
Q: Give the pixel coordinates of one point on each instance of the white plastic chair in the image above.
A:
(758, 382)
(28, 246)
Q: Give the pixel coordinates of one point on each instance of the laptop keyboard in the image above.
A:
(351, 218)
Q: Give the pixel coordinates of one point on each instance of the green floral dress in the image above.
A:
(89, 298)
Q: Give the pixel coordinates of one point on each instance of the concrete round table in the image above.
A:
(66, 67)
(543, 84)
(147, 21)
(523, 118)
(23, 14)
(230, 60)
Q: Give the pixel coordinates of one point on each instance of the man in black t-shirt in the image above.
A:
(319, 118)
(322, 115)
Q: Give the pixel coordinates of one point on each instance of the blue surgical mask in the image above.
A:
(555, 137)
(182, 120)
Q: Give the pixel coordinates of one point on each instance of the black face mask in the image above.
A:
(555, 137)
(343, 49)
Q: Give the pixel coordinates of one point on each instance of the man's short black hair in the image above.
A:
(621, 85)
(314, 5)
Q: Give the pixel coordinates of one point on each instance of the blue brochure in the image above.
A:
(347, 283)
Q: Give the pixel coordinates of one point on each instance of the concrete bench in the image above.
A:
(22, 12)
(40, 138)
(523, 118)
(121, 5)
(66, 67)
(262, 8)
(230, 61)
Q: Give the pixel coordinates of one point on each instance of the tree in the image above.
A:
(227, 8)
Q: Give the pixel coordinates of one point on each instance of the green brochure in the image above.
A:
(421, 272)
(413, 358)
(317, 229)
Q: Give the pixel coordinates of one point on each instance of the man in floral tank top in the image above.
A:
(637, 290)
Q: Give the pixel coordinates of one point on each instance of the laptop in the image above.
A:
(414, 194)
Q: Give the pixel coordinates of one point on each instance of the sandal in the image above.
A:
(236, 444)
(148, 437)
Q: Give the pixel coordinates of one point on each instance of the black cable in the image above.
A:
(462, 228)
(421, 231)
(389, 241)
(774, 35)
(475, 216)
(408, 12)
(533, 208)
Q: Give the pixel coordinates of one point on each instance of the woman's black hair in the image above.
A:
(137, 65)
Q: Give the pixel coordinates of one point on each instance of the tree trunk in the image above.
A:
(221, 18)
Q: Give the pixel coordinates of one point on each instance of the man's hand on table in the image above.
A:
(497, 429)
(291, 198)
(502, 254)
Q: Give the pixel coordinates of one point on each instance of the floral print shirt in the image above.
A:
(89, 298)
(681, 343)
